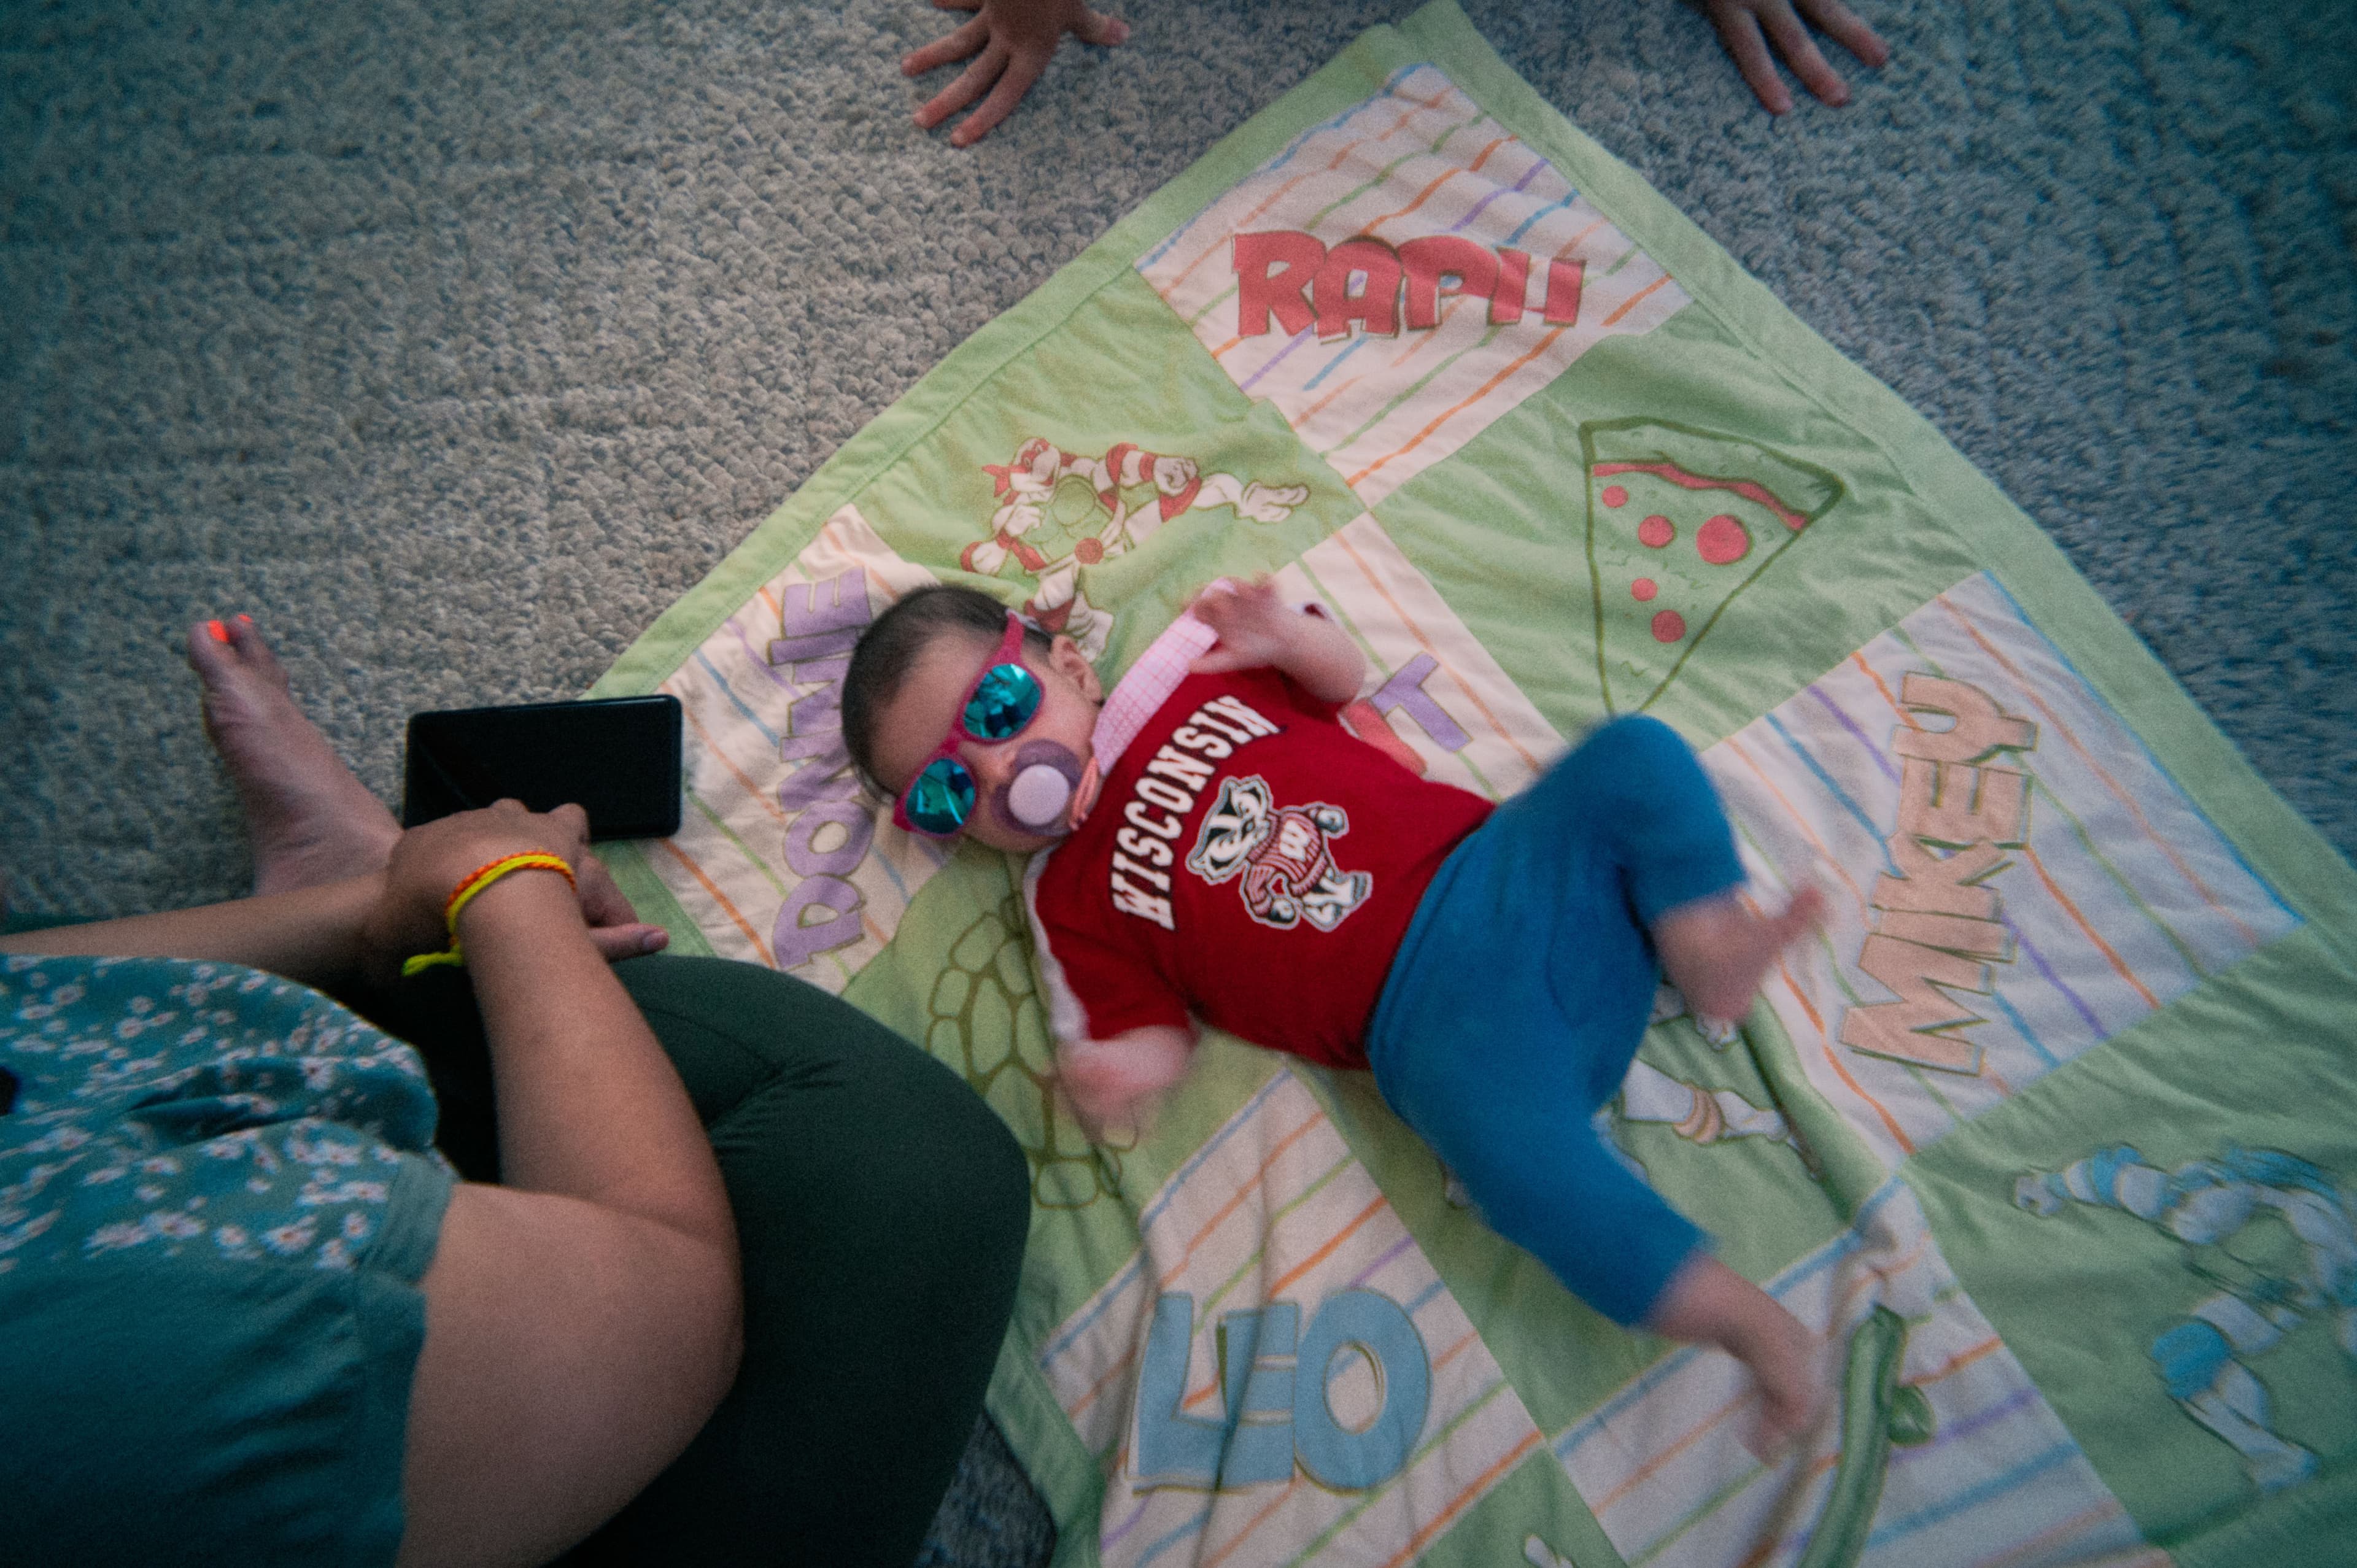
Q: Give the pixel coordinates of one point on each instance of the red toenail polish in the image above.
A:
(247, 619)
(219, 632)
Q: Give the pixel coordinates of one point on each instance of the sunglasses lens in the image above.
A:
(1003, 703)
(942, 797)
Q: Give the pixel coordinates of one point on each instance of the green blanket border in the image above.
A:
(2280, 846)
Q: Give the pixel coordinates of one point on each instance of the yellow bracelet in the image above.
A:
(473, 883)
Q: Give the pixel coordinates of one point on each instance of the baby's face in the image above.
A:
(913, 722)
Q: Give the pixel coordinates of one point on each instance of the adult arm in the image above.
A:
(583, 1319)
(313, 935)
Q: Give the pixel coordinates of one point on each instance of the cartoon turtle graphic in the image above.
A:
(986, 1020)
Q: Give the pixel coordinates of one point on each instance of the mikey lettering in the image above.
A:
(1936, 927)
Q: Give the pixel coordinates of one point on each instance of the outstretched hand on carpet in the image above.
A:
(1747, 29)
(1010, 43)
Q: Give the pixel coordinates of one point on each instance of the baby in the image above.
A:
(1226, 853)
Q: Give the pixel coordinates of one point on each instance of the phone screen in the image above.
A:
(617, 757)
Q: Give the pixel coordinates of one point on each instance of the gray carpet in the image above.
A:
(454, 342)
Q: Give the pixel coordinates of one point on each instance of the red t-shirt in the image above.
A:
(1250, 862)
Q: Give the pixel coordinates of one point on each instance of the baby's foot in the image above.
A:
(1716, 952)
(310, 820)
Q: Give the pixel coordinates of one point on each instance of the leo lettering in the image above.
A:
(1275, 1377)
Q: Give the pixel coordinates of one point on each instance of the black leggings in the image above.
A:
(882, 1210)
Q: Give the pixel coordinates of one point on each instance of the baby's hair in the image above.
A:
(888, 649)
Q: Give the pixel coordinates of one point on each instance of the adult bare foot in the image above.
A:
(309, 818)
(1716, 952)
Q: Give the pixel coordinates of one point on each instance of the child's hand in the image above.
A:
(1113, 1084)
(1015, 40)
(1742, 23)
(1257, 630)
(1255, 626)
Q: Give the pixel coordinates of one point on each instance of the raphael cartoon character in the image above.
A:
(1060, 512)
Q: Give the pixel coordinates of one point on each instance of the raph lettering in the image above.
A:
(1292, 277)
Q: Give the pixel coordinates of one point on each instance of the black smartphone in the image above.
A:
(617, 757)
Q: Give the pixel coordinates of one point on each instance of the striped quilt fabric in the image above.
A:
(2048, 1136)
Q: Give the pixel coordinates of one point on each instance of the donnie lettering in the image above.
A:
(820, 622)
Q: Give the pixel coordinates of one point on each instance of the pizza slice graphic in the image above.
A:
(1680, 520)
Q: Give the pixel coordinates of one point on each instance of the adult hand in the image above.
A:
(428, 862)
(1747, 28)
(1014, 40)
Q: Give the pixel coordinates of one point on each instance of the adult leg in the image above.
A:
(310, 820)
(882, 1210)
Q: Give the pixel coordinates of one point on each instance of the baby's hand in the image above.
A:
(1255, 626)
(1113, 1084)
(1257, 630)
(1015, 40)
(1742, 24)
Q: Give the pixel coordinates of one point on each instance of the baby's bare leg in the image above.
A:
(1716, 950)
(310, 820)
(1708, 1303)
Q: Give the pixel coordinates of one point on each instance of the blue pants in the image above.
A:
(1521, 990)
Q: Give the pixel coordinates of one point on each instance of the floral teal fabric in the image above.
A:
(218, 1191)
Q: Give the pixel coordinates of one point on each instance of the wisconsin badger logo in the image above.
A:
(1284, 855)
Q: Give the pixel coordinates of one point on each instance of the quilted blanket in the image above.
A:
(2051, 1136)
